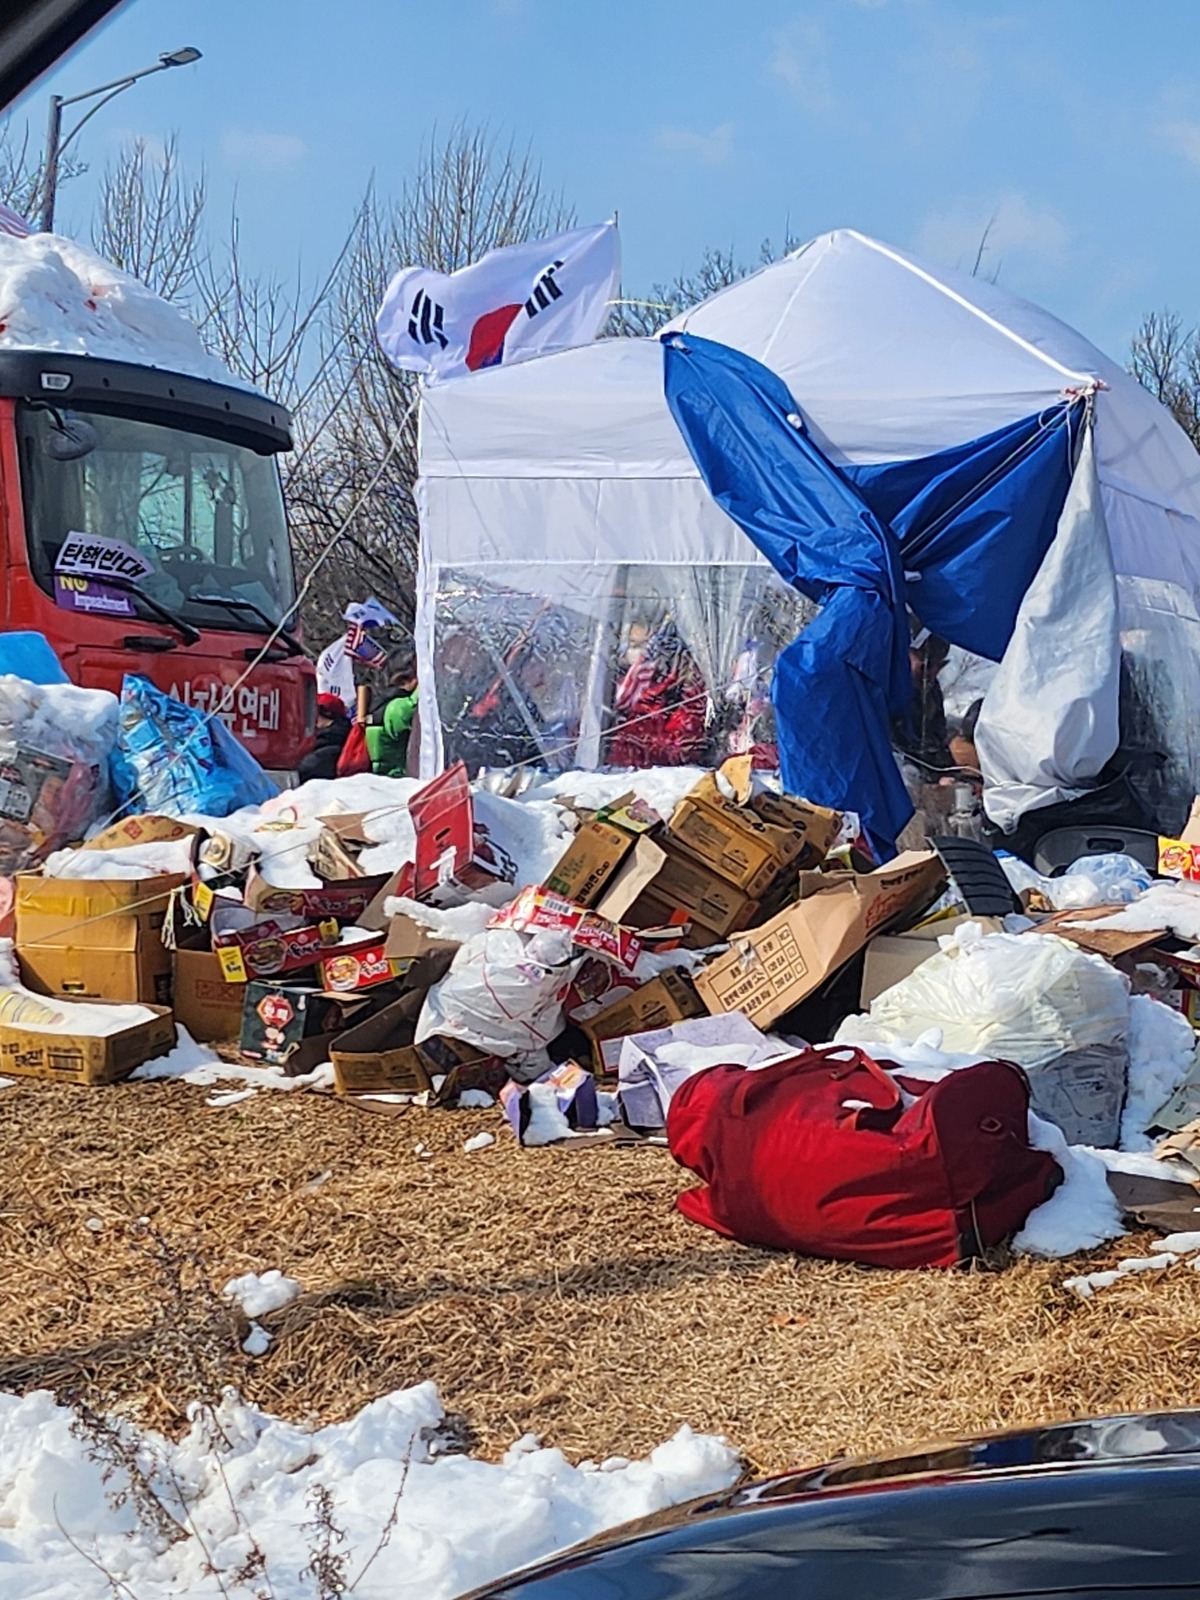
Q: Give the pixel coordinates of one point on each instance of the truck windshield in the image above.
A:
(205, 516)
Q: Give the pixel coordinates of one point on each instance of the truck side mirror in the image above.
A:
(70, 437)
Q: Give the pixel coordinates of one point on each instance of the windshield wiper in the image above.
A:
(186, 632)
(290, 639)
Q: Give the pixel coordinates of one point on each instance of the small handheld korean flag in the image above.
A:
(520, 301)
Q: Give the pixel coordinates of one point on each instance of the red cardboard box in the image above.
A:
(453, 852)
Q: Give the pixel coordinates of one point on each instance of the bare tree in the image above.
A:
(149, 219)
(1164, 357)
(21, 172)
(469, 193)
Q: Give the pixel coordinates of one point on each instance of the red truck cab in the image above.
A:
(181, 471)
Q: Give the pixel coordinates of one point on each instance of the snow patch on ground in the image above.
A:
(260, 1292)
(196, 1064)
(458, 1522)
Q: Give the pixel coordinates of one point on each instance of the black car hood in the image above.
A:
(1106, 1504)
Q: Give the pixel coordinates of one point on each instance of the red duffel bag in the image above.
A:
(819, 1154)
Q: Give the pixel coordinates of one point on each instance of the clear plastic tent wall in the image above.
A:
(564, 523)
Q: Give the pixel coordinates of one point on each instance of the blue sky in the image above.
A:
(1075, 125)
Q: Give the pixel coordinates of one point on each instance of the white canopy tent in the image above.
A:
(566, 478)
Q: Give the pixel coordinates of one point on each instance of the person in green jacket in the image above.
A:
(387, 737)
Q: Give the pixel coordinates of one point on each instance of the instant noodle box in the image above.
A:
(266, 949)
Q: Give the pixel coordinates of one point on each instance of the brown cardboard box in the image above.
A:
(891, 957)
(407, 941)
(208, 1006)
(671, 997)
(770, 969)
(635, 874)
(682, 883)
(378, 1056)
(84, 1059)
(147, 828)
(749, 841)
(98, 940)
(1111, 943)
(591, 859)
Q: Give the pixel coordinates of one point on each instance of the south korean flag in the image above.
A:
(520, 301)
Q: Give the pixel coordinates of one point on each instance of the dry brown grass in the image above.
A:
(552, 1291)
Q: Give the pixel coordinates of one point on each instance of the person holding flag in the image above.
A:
(335, 664)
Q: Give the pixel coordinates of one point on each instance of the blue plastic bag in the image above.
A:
(176, 760)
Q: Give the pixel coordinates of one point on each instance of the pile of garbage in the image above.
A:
(649, 957)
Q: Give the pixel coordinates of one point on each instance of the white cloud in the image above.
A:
(712, 148)
(800, 59)
(259, 150)
(1013, 224)
(1183, 136)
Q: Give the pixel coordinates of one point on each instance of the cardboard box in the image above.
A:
(1180, 858)
(683, 883)
(95, 939)
(294, 1025)
(84, 1059)
(750, 840)
(574, 1095)
(206, 1004)
(378, 1056)
(591, 859)
(248, 947)
(149, 828)
(1111, 943)
(770, 969)
(671, 997)
(345, 900)
(360, 966)
(407, 942)
(632, 879)
(454, 854)
(646, 1083)
(598, 850)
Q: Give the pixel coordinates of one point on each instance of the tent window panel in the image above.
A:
(635, 665)
(1160, 688)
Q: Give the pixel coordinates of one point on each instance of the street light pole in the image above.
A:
(56, 144)
(50, 164)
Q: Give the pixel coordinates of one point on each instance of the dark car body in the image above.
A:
(1105, 1507)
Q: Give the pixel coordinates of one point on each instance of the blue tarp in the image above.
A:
(969, 528)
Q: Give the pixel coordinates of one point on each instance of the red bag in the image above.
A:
(819, 1154)
(355, 756)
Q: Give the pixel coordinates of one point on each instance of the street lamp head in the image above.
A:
(180, 58)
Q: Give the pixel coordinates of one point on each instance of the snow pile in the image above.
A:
(56, 294)
(661, 788)
(1168, 906)
(129, 861)
(1162, 1046)
(257, 1293)
(1081, 1213)
(458, 1522)
(1167, 1253)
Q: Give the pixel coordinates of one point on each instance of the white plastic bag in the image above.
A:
(1112, 880)
(1016, 997)
(504, 992)
(1034, 999)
